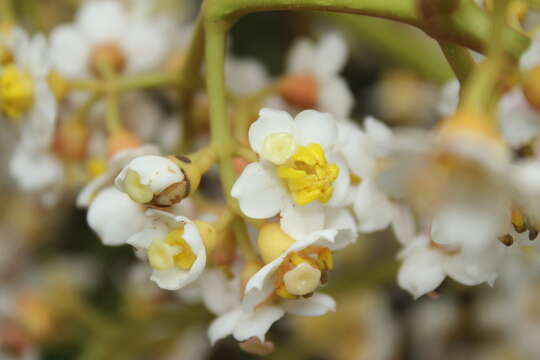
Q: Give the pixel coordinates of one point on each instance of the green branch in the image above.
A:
(459, 59)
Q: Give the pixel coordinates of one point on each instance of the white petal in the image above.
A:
(473, 270)
(269, 122)
(342, 184)
(342, 221)
(372, 207)
(448, 98)
(69, 51)
(330, 56)
(158, 172)
(38, 131)
(378, 132)
(316, 305)
(145, 46)
(219, 294)
(224, 325)
(520, 123)
(403, 224)
(300, 58)
(314, 127)
(102, 21)
(259, 192)
(258, 323)
(335, 97)
(531, 58)
(115, 217)
(245, 76)
(420, 273)
(35, 170)
(299, 221)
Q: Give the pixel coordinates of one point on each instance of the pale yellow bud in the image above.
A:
(208, 235)
(302, 280)
(273, 242)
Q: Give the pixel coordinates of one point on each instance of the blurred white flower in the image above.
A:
(312, 78)
(245, 77)
(104, 30)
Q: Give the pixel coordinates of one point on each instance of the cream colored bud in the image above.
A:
(273, 242)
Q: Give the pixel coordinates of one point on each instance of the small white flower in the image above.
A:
(323, 62)
(426, 264)
(299, 170)
(173, 247)
(364, 151)
(137, 43)
(152, 178)
(245, 76)
(114, 166)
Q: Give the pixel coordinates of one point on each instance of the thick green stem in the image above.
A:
(466, 25)
(459, 59)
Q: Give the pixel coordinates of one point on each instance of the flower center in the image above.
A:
(109, 54)
(302, 272)
(16, 92)
(308, 175)
(173, 251)
(278, 147)
(138, 192)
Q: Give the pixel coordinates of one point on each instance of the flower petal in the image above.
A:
(314, 127)
(300, 57)
(115, 217)
(224, 325)
(258, 323)
(330, 55)
(299, 221)
(372, 207)
(335, 97)
(102, 21)
(69, 51)
(316, 305)
(421, 272)
(259, 192)
(269, 122)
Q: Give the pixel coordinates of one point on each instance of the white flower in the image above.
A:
(245, 76)
(152, 178)
(244, 324)
(174, 249)
(27, 100)
(426, 264)
(298, 170)
(114, 166)
(136, 43)
(364, 151)
(449, 98)
(323, 62)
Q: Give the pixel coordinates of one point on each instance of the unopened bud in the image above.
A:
(273, 242)
(108, 53)
(121, 140)
(299, 90)
(71, 140)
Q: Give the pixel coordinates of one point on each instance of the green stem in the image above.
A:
(467, 25)
(144, 81)
(112, 116)
(459, 59)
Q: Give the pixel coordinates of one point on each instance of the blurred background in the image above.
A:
(64, 295)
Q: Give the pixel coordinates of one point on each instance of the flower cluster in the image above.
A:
(95, 110)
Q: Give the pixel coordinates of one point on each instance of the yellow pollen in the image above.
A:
(96, 166)
(308, 175)
(16, 92)
(171, 252)
(137, 192)
(278, 147)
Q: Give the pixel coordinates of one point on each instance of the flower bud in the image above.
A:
(121, 140)
(71, 140)
(208, 235)
(531, 87)
(108, 53)
(299, 90)
(273, 242)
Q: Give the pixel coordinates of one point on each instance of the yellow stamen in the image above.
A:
(137, 192)
(308, 175)
(96, 166)
(16, 92)
(171, 252)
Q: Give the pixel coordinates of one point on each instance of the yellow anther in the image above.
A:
(302, 280)
(278, 147)
(137, 192)
(297, 259)
(161, 255)
(16, 92)
(59, 86)
(96, 166)
(6, 56)
(327, 258)
(273, 242)
(355, 179)
(185, 257)
(518, 221)
(308, 175)
(171, 252)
